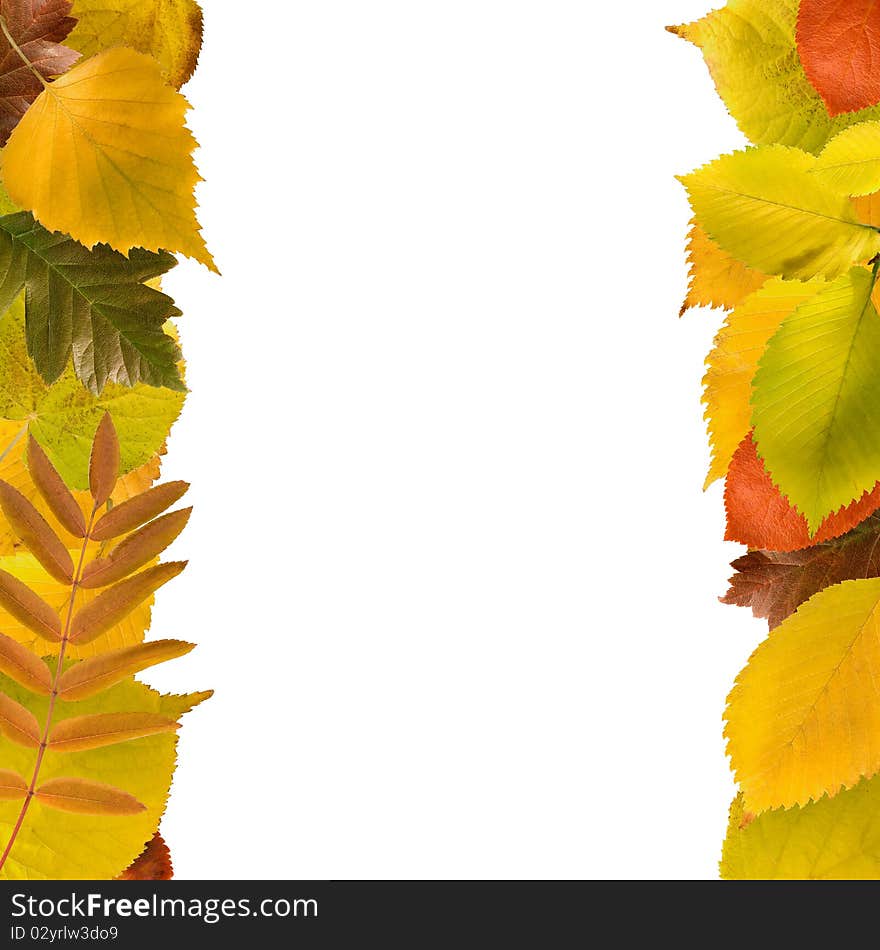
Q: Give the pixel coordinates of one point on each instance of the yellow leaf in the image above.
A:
(803, 719)
(739, 345)
(169, 30)
(716, 278)
(104, 156)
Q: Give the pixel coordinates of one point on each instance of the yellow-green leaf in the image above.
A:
(850, 162)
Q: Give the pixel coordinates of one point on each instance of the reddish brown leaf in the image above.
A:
(85, 797)
(103, 729)
(18, 663)
(136, 550)
(28, 608)
(36, 533)
(99, 672)
(114, 604)
(136, 511)
(775, 583)
(38, 27)
(18, 724)
(839, 46)
(104, 461)
(55, 493)
(154, 863)
(759, 515)
(12, 786)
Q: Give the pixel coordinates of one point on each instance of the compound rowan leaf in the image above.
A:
(168, 30)
(38, 28)
(740, 343)
(153, 864)
(102, 729)
(850, 162)
(136, 550)
(715, 278)
(20, 664)
(839, 44)
(58, 846)
(18, 724)
(803, 717)
(83, 796)
(775, 583)
(88, 677)
(750, 49)
(93, 304)
(137, 510)
(816, 398)
(36, 534)
(832, 839)
(759, 515)
(104, 156)
(12, 786)
(53, 491)
(766, 208)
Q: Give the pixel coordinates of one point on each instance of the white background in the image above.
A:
(452, 572)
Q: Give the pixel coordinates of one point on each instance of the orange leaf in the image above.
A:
(99, 672)
(18, 724)
(839, 46)
(102, 729)
(55, 493)
(136, 550)
(759, 515)
(136, 511)
(114, 604)
(85, 797)
(716, 278)
(154, 863)
(12, 786)
(104, 461)
(29, 609)
(18, 663)
(35, 532)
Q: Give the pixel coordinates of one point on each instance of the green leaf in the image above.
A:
(750, 50)
(816, 399)
(850, 162)
(63, 417)
(765, 208)
(832, 839)
(92, 304)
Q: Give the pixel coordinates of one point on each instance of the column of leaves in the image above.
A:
(131, 535)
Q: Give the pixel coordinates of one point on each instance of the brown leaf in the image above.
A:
(102, 729)
(37, 535)
(136, 511)
(114, 604)
(136, 550)
(104, 462)
(85, 797)
(99, 672)
(12, 786)
(154, 863)
(775, 583)
(29, 609)
(19, 664)
(18, 724)
(38, 27)
(55, 493)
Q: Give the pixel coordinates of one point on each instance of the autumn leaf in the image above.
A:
(838, 42)
(765, 207)
(715, 278)
(759, 515)
(803, 716)
(731, 365)
(775, 583)
(91, 304)
(153, 864)
(113, 132)
(850, 162)
(833, 839)
(750, 49)
(168, 30)
(38, 28)
(816, 399)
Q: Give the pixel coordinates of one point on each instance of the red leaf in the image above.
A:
(154, 863)
(839, 46)
(759, 515)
